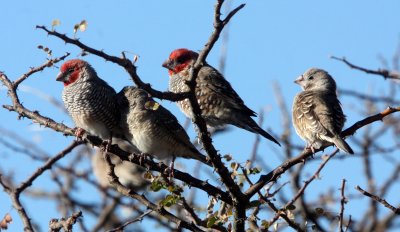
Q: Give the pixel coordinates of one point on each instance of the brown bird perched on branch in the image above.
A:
(219, 103)
(152, 128)
(317, 114)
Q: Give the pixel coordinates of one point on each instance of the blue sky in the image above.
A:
(269, 42)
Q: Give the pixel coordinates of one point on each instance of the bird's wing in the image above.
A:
(221, 90)
(318, 114)
(168, 123)
(106, 104)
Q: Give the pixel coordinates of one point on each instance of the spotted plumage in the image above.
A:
(218, 101)
(90, 101)
(317, 114)
(152, 128)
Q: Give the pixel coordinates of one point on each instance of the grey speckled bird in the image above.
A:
(219, 103)
(90, 101)
(152, 128)
(317, 114)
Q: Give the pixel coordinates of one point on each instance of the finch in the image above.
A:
(218, 101)
(152, 128)
(317, 114)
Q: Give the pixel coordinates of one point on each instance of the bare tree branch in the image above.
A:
(342, 202)
(378, 199)
(387, 74)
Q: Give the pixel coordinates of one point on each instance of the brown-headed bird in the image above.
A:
(317, 114)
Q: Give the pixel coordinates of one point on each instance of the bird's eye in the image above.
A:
(311, 77)
(70, 70)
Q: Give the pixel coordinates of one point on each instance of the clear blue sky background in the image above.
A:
(269, 41)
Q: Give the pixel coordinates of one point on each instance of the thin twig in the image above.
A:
(137, 219)
(378, 199)
(387, 74)
(342, 202)
(142, 199)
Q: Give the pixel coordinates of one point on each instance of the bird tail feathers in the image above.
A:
(342, 145)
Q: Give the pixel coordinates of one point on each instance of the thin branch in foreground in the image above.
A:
(47, 166)
(56, 225)
(378, 199)
(15, 193)
(137, 219)
(127, 64)
(342, 202)
(303, 188)
(142, 199)
(387, 74)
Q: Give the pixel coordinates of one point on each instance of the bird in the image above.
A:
(91, 102)
(129, 174)
(317, 114)
(218, 101)
(152, 128)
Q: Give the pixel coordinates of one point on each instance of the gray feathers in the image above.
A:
(152, 128)
(218, 101)
(317, 114)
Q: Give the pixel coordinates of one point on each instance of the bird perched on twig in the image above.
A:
(219, 103)
(317, 114)
(90, 101)
(152, 128)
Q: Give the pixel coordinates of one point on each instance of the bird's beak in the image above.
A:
(299, 80)
(61, 77)
(168, 64)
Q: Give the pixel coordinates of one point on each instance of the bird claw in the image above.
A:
(79, 132)
(143, 156)
(171, 168)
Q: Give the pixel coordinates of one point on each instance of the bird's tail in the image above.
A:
(342, 145)
(202, 158)
(250, 125)
(195, 154)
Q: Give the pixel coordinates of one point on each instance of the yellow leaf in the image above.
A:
(151, 105)
(83, 25)
(55, 22)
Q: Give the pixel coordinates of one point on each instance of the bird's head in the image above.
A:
(316, 79)
(73, 70)
(179, 59)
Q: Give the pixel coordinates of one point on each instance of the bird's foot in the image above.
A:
(79, 132)
(143, 157)
(171, 168)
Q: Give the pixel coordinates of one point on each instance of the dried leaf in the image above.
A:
(135, 58)
(291, 207)
(319, 211)
(3, 224)
(8, 218)
(227, 157)
(148, 175)
(54, 23)
(83, 25)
